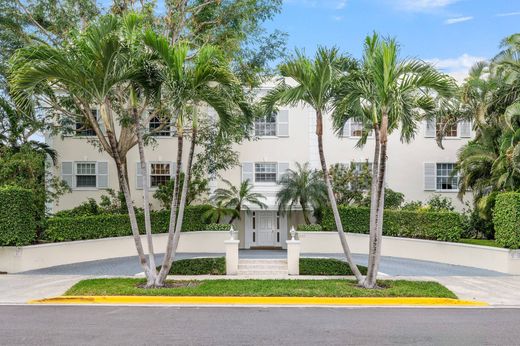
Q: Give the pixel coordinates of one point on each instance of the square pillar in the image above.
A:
(293, 257)
(231, 256)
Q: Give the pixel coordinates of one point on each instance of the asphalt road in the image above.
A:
(389, 265)
(106, 325)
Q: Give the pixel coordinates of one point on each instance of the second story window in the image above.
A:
(356, 128)
(265, 172)
(159, 174)
(86, 174)
(266, 126)
(449, 131)
(83, 128)
(157, 128)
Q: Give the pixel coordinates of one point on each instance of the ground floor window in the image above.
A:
(159, 174)
(86, 174)
(446, 181)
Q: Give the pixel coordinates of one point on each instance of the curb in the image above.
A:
(208, 300)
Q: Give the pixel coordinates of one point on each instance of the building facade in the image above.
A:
(418, 169)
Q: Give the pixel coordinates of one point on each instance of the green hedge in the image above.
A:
(117, 225)
(309, 228)
(17, 222)
(445, 226)
(217, 227)
(506, 218)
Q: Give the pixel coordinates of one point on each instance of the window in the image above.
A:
(266, 126)
(83, 127)
(444, 178)
(86, 174)
(359, 167)
(265, 172)
(156, 123)
(356, 128)
(159, 174)
(449, 131)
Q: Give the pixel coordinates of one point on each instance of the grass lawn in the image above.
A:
(483, 242)
(217, 266)
(259, 288)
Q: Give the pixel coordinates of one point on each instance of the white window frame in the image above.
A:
(159, 134)
(265, 182)
(95, 111)
(150, 164)
(262, 122)
(75, 175)
(433, 123)
(448, 176)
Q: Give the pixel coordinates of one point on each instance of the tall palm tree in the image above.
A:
(97, 67)
(302, 186)
(315, 84)
(386, 93)
(238, 198)
(191, 85)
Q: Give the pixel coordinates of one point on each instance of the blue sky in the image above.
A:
(451, 33)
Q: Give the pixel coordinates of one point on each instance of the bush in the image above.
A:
(326, 266)
(17, 217)
(309, 228)
(506, 217)
(217, 227)
(445, 226)
(199, 266)
(117, 225)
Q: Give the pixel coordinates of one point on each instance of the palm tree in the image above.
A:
(315, 84)
(98, 67)
(218, 212)
(189, 85)
(386, 93)
(302, 186)
(238, 198)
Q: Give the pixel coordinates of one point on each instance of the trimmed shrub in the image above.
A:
(309, 228)
(199, 266)
(17, 217)
(217, 227)
(506, 217)
(326, 266)
(445, 226)
(117, 225)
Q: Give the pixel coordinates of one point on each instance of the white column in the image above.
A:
(293, 257)
(232, 253)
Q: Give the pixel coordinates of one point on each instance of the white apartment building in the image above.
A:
(418, 169)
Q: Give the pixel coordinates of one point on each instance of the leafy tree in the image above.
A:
(303, 187)
(316, 81)
(197, 189)
(238, 198)
(350, 183)
(386, 93)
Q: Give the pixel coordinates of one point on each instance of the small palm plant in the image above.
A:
(217, 212)
(236, 198)
(302, 186)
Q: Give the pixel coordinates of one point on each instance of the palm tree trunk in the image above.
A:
(373, 206)
(379, 203)
(180, 216)
(146, 200)
(123, 182)
(303, 204)
(332, 199)
(237, 209)
(167, 260)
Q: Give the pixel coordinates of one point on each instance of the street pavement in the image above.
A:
(120, 325)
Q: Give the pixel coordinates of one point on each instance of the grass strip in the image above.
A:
(259, 288)
(481, 242)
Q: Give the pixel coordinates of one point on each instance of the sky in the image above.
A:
(452, 34)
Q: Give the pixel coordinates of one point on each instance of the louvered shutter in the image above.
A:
(282, 123)
(430, 128)
(465, 129)
(102, 175)
(346, 129)
(430, 180)
(138, 176)
(282, 168)
(248, 172)
(67, 173)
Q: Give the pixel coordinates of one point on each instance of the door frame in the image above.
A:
(249, 228)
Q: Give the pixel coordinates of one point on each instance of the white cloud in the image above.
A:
(337, 18)
(330, 4)
(423, 5)
(508, 14)
(457, 67)
(457, 20)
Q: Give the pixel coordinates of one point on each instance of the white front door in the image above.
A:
(266, 228)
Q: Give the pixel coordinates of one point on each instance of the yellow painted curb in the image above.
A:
(205, 300)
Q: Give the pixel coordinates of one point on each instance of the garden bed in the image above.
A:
(259, 288)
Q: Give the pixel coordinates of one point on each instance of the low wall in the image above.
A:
(485, 257)
(19, 259)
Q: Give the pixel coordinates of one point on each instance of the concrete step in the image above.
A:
(262, 267)
(262, 260)
(263, 272)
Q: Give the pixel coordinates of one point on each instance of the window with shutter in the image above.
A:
(266, 172)
(85, 175)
